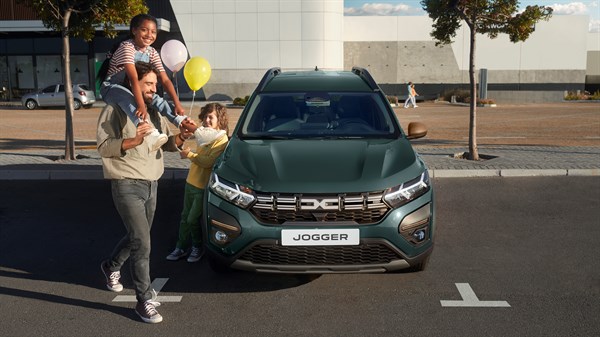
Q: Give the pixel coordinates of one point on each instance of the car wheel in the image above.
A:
(31, 104)
(217, 266)
(77, 104)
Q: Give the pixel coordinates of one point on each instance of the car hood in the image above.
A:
(319, 166)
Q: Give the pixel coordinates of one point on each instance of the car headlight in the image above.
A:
(238, 195)
(408, 191)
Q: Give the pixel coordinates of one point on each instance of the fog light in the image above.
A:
(415, 226)
(221, 237)
(419, 235)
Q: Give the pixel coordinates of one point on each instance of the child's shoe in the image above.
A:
(195, 255)
(177, 254)
(156, 140)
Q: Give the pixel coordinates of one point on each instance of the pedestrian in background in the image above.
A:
(412, 94)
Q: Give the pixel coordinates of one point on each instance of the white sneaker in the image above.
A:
(416, 106)
(156, 140)
(147, 312)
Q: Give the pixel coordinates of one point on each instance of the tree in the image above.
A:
(490, 17)
(80, 18)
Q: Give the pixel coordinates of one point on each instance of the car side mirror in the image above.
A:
(416, 130)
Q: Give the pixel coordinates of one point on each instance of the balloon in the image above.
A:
(196, 72)
(174, 54)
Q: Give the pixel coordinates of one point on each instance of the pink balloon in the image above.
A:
(174, 54)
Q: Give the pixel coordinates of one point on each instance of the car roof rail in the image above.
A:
(267, 77)
(365, 75)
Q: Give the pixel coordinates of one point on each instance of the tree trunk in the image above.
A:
(473, 151)
(66, 61)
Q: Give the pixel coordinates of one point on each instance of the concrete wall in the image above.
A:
(242, 38)
(399, 49)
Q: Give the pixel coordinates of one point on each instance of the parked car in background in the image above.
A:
(54, 95)
(319, 177)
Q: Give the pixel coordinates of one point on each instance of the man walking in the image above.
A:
(134, 170)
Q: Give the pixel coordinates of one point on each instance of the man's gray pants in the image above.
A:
(135, 201)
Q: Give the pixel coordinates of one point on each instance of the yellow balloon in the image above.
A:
(196, 72)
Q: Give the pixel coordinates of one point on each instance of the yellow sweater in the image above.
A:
(203, 160)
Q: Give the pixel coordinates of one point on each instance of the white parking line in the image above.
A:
(469, 299)
(157, 285)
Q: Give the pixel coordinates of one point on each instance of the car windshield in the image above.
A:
(317, 115)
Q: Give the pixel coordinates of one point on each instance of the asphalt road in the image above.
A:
(522, 253)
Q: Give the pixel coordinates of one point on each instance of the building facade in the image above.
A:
(241, 39)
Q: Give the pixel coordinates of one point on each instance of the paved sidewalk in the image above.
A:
(504, 161)
(31, 142)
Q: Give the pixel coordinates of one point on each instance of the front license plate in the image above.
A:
(320, 237)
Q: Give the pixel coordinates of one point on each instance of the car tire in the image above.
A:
(217, 266)
(31, 104)
(77, 104)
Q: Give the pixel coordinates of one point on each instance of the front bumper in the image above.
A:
(257, 247)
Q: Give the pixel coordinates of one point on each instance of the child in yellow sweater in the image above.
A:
(212, 139)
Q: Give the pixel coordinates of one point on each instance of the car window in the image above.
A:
(61, 88)
(83, 87)
(318, 114)
(49, 89)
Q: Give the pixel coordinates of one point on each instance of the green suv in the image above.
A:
(319, 177)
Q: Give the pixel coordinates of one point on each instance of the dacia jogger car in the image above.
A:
(319, 177)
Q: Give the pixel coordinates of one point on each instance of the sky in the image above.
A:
(413, 7)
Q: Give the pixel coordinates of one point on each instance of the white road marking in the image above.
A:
(470, 299)
(157, 285)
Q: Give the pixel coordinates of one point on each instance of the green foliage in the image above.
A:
(490, 17)
(461, 95)
(85, 15)
(241, 101)
(480, 100)
(392, 99)
(582, 96)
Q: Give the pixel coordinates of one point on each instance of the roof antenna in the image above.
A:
(316, 68)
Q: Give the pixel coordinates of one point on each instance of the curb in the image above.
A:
(181, 174)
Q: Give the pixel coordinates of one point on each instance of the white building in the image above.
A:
(241, 39)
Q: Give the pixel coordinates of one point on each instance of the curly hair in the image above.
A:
(221, 112)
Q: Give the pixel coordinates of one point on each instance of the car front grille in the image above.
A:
(363, 254)
(276, 209)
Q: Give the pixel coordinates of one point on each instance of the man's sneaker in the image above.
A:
(147, 312)
(156, 140)
(177, 254)
(154, 299)
(195, 255)
(112, 278)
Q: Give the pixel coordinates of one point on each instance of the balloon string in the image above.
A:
(191, 105)
(176, 84)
